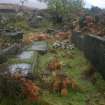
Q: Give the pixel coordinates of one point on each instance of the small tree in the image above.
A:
(22, 3)
(64, 7)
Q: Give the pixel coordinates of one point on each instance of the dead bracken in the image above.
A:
(52, 55)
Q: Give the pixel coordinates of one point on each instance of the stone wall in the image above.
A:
(93, 48)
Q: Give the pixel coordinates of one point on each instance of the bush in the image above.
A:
(17, 90)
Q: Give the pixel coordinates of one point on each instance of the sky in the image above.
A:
(98, 3)
(37, 4)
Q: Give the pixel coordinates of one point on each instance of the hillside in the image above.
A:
(4, 7)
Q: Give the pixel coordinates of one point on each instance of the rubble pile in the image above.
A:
(65, 44)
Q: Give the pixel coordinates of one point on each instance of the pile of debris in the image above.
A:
(65, 44)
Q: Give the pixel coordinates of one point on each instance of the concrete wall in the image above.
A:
(93, 48)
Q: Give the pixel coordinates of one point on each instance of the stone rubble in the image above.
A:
(64, 45)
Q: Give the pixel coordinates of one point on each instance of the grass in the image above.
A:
(75, 65)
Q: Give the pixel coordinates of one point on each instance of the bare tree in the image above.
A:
(22, 3)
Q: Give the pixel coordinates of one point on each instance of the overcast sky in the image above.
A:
(99, 3)
(37, 4)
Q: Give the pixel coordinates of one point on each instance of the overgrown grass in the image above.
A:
(75, 65)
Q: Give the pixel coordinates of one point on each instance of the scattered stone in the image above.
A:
(64, 45)
(40, 46)
(26, 55)
(56, 44)
(22, 69)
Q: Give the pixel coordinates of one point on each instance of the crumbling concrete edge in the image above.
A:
(93, 48)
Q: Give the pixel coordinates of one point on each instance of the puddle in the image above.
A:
(26, 55)
(23, 69)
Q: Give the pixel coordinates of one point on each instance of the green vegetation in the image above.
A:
(73, 61)
(62, 10)
(76, 65)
